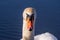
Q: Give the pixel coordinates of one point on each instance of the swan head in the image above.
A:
(29, 17)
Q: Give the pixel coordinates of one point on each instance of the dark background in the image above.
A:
(48, 17)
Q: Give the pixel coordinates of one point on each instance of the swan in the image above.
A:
(29, 16)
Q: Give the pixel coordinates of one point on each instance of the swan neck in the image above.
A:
(27, 35)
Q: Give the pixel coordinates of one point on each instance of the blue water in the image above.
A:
(48, 17)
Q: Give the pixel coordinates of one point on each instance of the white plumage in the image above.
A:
(45, 36)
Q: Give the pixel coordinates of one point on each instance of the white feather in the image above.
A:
(45, 36)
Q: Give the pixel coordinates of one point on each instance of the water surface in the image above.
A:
(48, 17)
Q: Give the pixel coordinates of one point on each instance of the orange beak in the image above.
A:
(30, 24)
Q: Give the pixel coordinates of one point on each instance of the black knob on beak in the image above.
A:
(31, 17)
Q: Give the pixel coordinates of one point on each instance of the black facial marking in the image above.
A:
(27, 15)
(31, 17)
